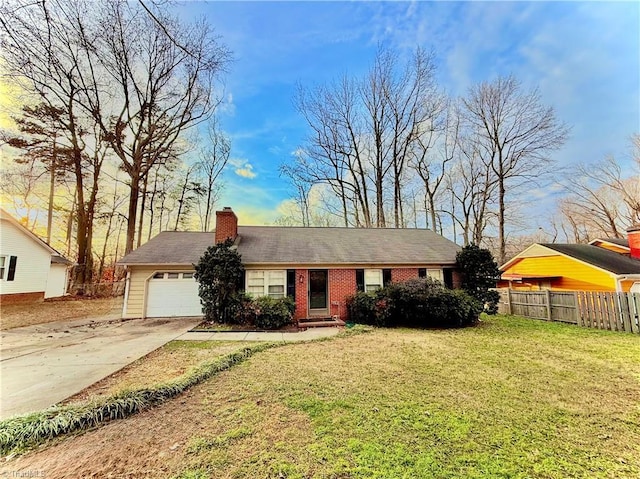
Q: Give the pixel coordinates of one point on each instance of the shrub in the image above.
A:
(219, 273)
(479, 274)
(422, 303)
(361, 308)
(272, 313)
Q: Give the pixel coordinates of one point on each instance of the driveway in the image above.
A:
(44, 364)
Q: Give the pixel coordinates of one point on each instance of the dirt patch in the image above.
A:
(18, 315)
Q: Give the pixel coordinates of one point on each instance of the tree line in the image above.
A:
(391, 149)
(114, 91)
(118, 138)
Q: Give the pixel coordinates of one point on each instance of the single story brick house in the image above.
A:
(319, 267)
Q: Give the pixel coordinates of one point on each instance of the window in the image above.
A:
(172, 275)
(422, 272)
(271, 283)
(372, 280)
(435, 274)
(11, 272)
(3, 266)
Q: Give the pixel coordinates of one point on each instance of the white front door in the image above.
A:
(173, 294)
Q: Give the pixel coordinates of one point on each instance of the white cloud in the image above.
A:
(243, 168)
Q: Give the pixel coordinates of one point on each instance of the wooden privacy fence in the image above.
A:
(591, 309)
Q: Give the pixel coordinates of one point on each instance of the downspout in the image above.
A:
(127, 282)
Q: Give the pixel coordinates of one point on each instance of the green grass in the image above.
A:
(512, 398)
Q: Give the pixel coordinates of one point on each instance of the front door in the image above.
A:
(318, 292)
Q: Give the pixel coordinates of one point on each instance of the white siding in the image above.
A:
(33, 263)
(57, 281)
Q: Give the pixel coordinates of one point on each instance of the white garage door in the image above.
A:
(173, 294)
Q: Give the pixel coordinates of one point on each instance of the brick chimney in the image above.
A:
(633, 235)
(226, 225)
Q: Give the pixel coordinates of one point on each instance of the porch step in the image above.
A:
(320, 322)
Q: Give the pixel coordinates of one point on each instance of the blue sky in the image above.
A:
(583, 56)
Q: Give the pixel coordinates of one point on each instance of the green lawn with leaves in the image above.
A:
(511, 398)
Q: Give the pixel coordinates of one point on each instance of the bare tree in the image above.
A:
(363, 131)
(41, 50)
(603, 199)
(471, 187)
(432, 153)
(213, 159)
(302, 187)
(515, 133)
(164, 74)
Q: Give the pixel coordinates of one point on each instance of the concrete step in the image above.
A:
(320, 322)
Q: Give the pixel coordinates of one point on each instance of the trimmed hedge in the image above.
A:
(419, 303)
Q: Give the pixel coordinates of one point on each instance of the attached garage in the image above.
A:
(172, 294)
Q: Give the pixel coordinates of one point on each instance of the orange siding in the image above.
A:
(613, 247)
(626, 285)
(574, 274)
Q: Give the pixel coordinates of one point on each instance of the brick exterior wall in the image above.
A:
(17, 298)
(342, 283)
(301, 294)
(399, 275)
(226, 225)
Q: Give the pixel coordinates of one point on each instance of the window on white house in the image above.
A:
(271, 283)
(436, 274)
(372, 280)
(3, 266)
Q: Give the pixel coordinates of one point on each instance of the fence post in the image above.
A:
(578, 316)
(548, 299)
(509, 310)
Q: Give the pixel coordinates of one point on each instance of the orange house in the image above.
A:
(602, 265)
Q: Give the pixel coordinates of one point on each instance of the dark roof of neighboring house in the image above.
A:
(602, 258)
(297, 245)
(58, 259)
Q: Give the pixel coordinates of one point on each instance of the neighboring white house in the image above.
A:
(30, 269)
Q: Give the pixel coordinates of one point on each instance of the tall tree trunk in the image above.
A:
(70, 222)
(134, 193)
(142, 205)
(52, 186)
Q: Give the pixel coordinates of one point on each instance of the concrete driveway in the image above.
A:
(44, 364)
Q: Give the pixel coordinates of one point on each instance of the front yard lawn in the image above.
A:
(511, 398)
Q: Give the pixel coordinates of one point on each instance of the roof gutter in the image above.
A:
(624, 277)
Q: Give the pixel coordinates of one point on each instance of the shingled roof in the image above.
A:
(297, 245)
(600, 257)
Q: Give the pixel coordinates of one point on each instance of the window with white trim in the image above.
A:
(436, 274)
(272, 283)
(3, 266)
(372, 280)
